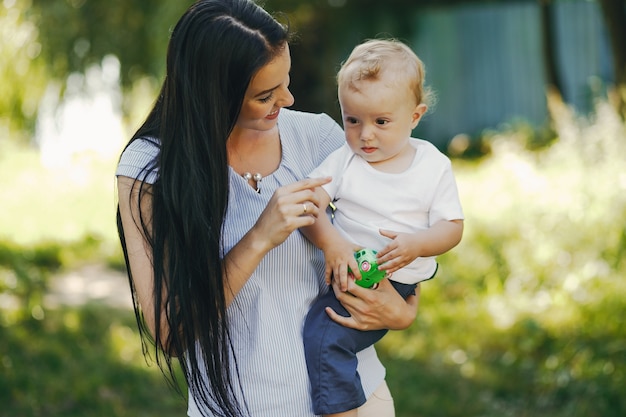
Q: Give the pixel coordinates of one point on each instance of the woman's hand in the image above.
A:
(291, 207)
(382, 308)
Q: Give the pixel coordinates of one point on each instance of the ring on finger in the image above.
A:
(304, 208)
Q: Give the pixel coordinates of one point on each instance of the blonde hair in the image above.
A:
(371, 58)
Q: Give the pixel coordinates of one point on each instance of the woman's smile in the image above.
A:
(273, 114)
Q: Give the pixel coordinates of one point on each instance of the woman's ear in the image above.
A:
(419, 111)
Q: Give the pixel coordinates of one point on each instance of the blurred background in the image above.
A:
(525, 316)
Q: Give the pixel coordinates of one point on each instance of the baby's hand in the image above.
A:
(400, 252)
(339, 259)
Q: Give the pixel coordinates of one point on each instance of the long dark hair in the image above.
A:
(214, 51)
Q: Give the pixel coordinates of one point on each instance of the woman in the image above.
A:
(211, 190)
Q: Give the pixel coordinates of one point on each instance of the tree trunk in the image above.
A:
(553, 78)
(554, 95)
(614, 12)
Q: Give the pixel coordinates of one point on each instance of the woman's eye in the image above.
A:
(267, 98)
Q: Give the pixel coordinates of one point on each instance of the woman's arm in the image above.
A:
(138, 249)
(283, 214)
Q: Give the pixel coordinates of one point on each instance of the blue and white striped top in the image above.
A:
(267, 315)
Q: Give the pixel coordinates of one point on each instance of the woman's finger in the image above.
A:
(306, 184)
(344, 321)
(308, 208)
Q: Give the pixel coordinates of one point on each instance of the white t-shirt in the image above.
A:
(368, 200)
(267, 315)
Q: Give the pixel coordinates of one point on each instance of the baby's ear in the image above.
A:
(419, 111)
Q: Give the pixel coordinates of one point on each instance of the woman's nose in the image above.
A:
(286, 98)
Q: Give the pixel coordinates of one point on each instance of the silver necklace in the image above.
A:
(257, 177)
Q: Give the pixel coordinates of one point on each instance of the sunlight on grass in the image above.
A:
(525, 309)
(80, 362)
(558, 209)
(59, 203)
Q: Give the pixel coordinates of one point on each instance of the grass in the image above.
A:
(523, 320)
(80, 363)
(60, 203)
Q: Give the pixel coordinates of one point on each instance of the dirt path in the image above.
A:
(90, 283)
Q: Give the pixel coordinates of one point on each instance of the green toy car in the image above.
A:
(368, 265)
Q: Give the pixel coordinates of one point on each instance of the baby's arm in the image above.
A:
(338, 251)
(404, 248)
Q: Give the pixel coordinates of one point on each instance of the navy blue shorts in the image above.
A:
(330, 350)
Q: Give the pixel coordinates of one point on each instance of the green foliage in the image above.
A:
(83, 362)
(44, 41)
(523, 319)
(24, 272)
(21, 75)
(136, 31)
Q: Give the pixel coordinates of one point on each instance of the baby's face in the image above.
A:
(378, 117)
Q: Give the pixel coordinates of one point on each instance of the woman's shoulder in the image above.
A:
(140, 156)
(147, 145)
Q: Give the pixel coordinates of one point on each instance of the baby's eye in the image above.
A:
(351, 120)
(382, 121)
(267, 98)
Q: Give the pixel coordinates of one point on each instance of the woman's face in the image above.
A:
(267, 93)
